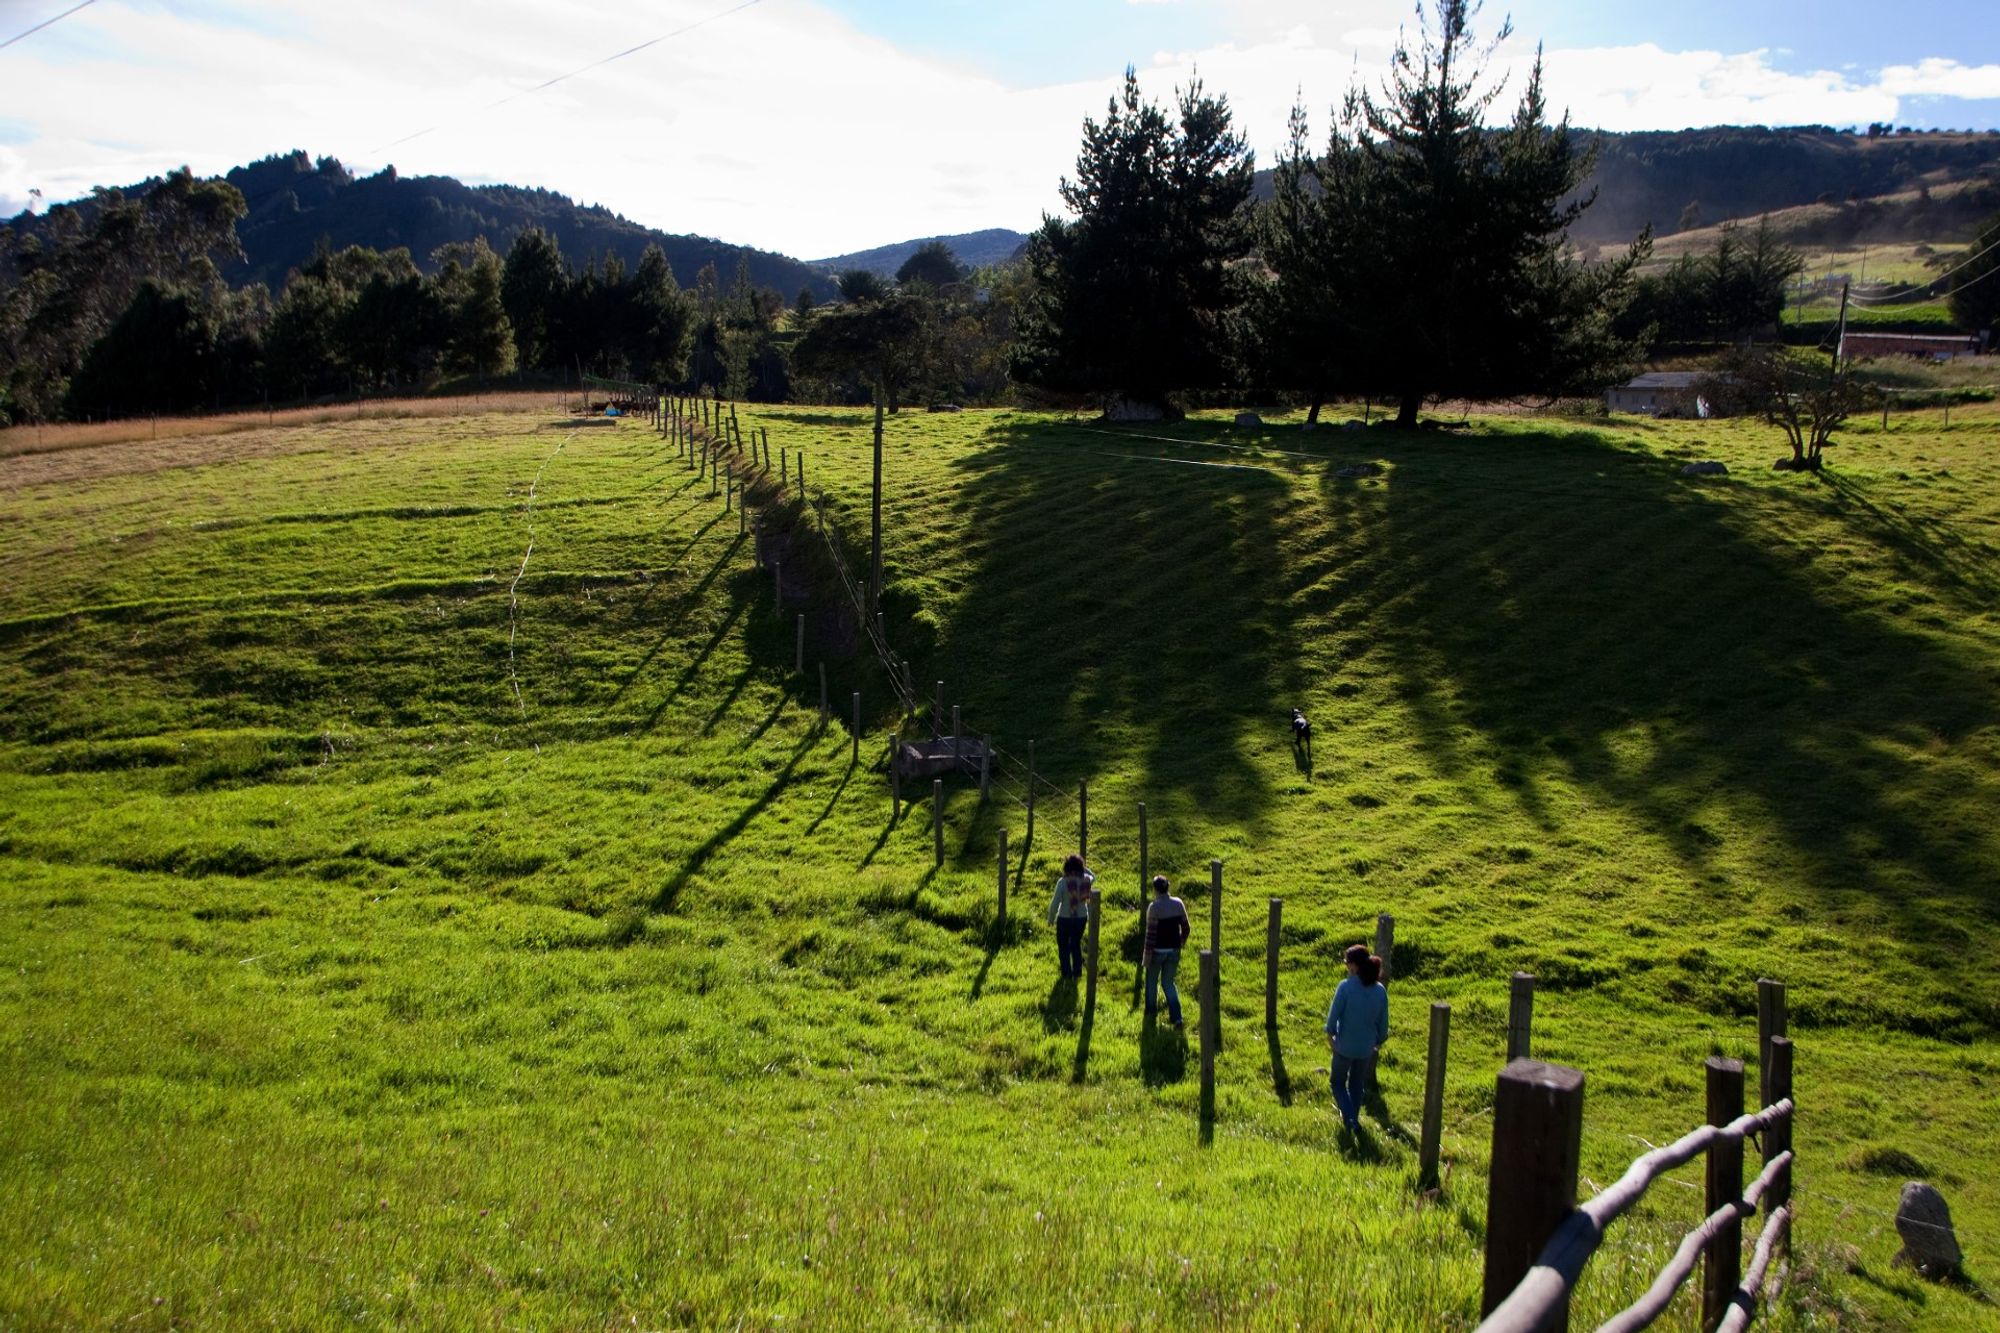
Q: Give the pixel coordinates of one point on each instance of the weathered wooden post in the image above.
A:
(799, 655)
(1778, 1138)
(1271, 932)
(1001, 916)
(1433, 1128)
(856, 757)
(1031, 794)
(1531, 1188)
(1520, 1015)
(1771, 1022)
(1385, 941)
(822, 696)
(1210, 1029)
(1722, 1263)
(1083, 820)
(784, 466)
(1090, 955)
(802, 472)
(937, 821)
(1215, 907)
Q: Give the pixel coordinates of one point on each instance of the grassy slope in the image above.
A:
(338, 985)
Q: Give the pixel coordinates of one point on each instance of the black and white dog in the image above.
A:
(1302, 730)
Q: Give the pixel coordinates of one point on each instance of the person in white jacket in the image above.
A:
(1069, 913)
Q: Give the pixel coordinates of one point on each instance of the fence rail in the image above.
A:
(1537, 1126)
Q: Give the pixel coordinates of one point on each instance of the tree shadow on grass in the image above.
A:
(1069, 552)
(669, 895)
(1553, 602)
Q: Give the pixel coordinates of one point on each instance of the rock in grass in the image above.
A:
(1248, 421)
(1924, 1222)
(1360, 470)
(1706, 468)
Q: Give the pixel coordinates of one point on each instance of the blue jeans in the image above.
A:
(1069, 944)
(1160, 969)
(1350, 1086)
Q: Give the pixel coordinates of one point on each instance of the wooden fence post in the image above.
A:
(1771, 1022)
(1031, 794)
(1208, 1029)
(856, 759)
(784, 465)
(1433, 1128)
(799, 657)
(1090, 955)
(1531, 1189)
(1722, 1265)
(1520, 1015)
(1083, 821)
(937, 821)
(1145, 899)
(1271, 931)
(1385, 942)
(1778, 1138)
(1001, 916)
(1215, 907)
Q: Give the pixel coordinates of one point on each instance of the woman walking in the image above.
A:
(1069, 913)
(1356, 1026)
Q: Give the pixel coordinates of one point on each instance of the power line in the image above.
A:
(45, 23)
(581, 69)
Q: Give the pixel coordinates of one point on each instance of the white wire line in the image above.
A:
(1898, 303)
(513, 589)
(30, 32)
(581, 69)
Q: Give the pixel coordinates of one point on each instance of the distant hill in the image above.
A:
(1729, 173)
(295, 202)
(975, 249)
(1932, 214)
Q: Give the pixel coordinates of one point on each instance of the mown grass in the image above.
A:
(342, 984)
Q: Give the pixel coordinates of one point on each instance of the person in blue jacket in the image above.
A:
(1357, 1024)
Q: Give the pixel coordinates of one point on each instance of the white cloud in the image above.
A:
(1942, 78)
(781, 126)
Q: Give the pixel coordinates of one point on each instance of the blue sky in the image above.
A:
(821, 126)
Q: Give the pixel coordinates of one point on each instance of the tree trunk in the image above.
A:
(1312, 413)
(1406, 414)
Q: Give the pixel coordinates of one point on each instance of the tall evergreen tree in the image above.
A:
(480, 341)
(534, 286)
(1452, 270)
(1134, 296)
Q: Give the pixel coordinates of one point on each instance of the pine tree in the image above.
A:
(1134, 297)
(1451, 268)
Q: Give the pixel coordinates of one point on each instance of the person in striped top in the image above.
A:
(1167, 930)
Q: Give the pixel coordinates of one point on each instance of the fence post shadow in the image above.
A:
(1081, 1064)
(1281, 1081)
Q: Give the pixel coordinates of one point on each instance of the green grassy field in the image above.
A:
(429, 897)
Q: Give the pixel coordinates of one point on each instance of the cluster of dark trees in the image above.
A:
(1416, 255)
(1733, 291)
